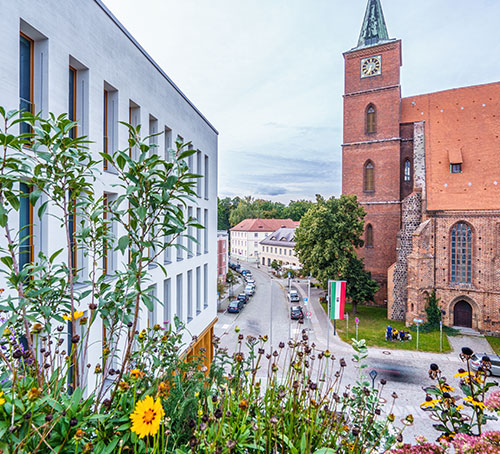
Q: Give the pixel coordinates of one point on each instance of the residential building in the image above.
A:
(246, 236)
(76, 52)
(426, 170)
(280, 247)
(222, 255)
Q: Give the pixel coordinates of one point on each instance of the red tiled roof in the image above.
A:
(264, 225)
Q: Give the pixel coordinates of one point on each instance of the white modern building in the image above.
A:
(75, 53)
(246, 236)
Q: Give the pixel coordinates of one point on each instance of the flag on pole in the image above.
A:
(337, 299)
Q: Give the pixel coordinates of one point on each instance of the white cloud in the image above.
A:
(269, 74)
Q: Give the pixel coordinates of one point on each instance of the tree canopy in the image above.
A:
(326, 243)
(231, 211)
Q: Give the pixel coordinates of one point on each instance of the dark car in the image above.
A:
(244, 272)
(296, 313)
(243, 297)
(235, 306)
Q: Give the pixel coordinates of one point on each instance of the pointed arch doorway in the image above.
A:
(462, 314)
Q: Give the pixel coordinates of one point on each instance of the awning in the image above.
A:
(455, 156)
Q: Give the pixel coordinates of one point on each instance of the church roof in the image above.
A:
(374, 30)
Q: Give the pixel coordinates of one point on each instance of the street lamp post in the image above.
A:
(441, 329)
(271, 318)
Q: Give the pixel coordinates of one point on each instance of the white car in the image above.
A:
(249, 290)
(293, 296)
(250, 281)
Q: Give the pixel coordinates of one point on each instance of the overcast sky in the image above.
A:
(268, 74)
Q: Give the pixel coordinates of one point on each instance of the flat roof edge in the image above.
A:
(151, 60)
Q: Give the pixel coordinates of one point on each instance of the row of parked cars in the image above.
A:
(239, 302)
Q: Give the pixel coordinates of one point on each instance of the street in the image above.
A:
(406, 372)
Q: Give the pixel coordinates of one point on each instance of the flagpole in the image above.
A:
(329, 319)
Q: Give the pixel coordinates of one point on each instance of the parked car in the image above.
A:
(250, 280)
(237, 268)
(249, 290)
(293, 296)
(244, 272)
(495, 362)
(235, 306)
(252, 284)
(296, 313)
(243, 297)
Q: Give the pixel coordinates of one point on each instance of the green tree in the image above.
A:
(244, 210)
(326, 243)
(275, 265)
(224, 207)
(432, 310)
(296, 209)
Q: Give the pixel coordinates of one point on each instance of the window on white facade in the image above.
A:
(167, 301)
(152, 316)
(167, 144)
(198, 290)
(205, 231)
(205, 285)
(179, 300)
(189, 295)
(206, 175)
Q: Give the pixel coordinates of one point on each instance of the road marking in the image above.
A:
(225, 326)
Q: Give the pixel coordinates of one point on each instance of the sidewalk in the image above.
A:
(237, 288)
(322, 332)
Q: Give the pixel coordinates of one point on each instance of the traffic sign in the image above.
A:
(418, 320)
(308, 314)
(305, 300)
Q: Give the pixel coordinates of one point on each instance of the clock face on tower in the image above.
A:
(371, 66)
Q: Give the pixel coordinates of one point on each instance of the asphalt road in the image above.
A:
(267, 313)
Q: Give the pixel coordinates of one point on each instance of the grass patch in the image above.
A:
(495, 343)
(372, 326)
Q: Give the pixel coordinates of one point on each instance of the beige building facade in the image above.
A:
(279, 246)
(247, 235)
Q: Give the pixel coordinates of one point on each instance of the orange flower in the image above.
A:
(79, 434)
(136, 373)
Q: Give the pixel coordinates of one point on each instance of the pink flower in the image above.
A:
(486, 443)
(493, 401)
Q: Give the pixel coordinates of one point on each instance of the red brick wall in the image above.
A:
(383, 148)
(465, 119)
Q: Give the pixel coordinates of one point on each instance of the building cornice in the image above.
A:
(383, 202)
(369, 142)
(373, 90)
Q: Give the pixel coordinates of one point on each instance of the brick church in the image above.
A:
(427, 171)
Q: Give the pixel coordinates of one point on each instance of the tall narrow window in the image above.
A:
(178, 291)
(105, 139)
(461, 254)
(205, 231)
(369, 236)
(167, 301)
(72, 101)
(206, 177)
(407, 171)
(26, 63)
(198, 232)
(371, 119)
(190, 295)
(369, 177)
(72, 234)
(105, 214)
(25, 227)
(198, 290)
(205, 285)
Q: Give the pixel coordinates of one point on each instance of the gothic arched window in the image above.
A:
(371, 119)
(369, 236)
(407, 171)
(369, 177)
(461, 254)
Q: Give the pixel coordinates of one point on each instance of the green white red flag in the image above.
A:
(337, 300)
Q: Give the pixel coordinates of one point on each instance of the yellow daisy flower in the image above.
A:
(76, 316)
(476, 403)
(461, 374)
(2, 399)
(446, 388)
(429, 403)
(146, 417)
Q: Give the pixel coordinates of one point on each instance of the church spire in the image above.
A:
(374, 29)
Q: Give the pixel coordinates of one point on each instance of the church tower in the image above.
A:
(371, 151)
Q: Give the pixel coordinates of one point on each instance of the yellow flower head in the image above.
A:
(446, 388)
(2, 399)
(429, 403)
(146, 417)
(76, 316)
(136, 373)
(460, 374)
(34, 393)
(476, 403)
